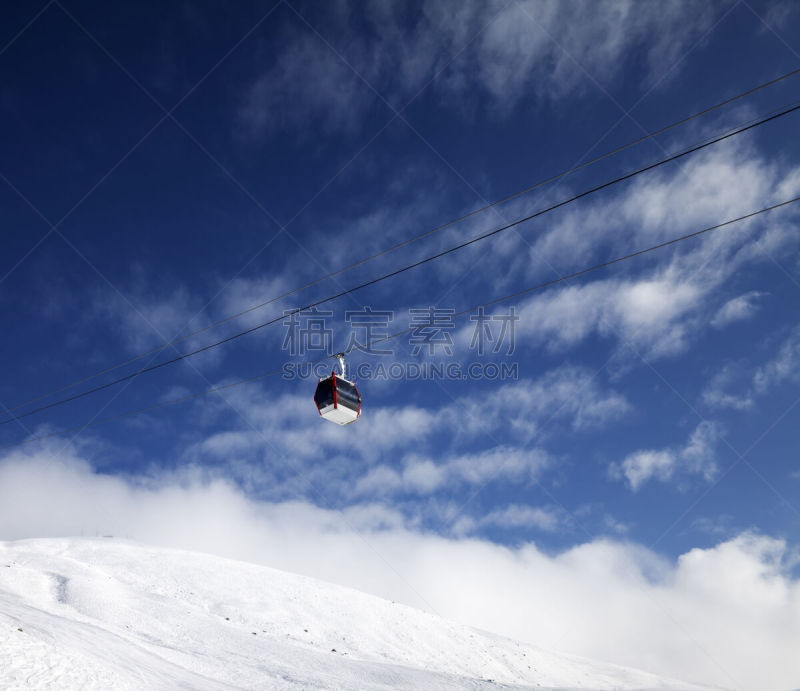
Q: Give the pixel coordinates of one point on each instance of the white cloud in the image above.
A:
(536, 44)
(725, 390)
(735, 387)
(148, 312)
(641, 466)
(504, 52)
(410, 454)
(421, 475)
(737, 309)
(307, 82)
(696, 457)
(566, 395)
(507, 462)
(227, 444)
(646, 312)
(778, 16)
(718, 526)
(542, 519)
(424, 476)
(242, 294)
(726, 615)
(785, 366)
(546, 519)
(658, 304)
(145, 319)
(569, 393)
(378, 481)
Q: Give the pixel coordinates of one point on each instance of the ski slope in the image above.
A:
(106, 613)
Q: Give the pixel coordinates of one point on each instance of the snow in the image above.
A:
(106, 613)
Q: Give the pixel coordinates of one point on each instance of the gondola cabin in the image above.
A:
(338, 399)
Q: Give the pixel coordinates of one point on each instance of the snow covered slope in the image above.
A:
(111, 614)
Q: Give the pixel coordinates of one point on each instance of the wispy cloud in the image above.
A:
(407, 453)
(510, 52)
(737, 309)
(307, 83)
(735, 386)
(785, 366)
(695, 458)
(728, 388)
(546, 519)
(143, 315)
(421, 475)
(572, 396)
(663, 304)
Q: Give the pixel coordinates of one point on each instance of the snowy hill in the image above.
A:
(105, 613)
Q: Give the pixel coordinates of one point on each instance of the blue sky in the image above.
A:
(165, 167)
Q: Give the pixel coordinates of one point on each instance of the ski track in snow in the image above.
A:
(113, 614)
